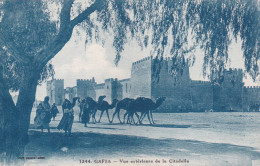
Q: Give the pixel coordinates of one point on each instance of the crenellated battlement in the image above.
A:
(142, 60)
(252, 88)
(200, 82)
(86, 80)
(82, 80)
(235, 70)
(182, 92)
(58, 79)
(148, 59)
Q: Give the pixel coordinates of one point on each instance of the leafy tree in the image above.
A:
(31, 35)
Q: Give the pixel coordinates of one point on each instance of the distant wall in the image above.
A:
(228, 95)
(70, 93)
(110, 90)
(100, 90)
(59, 90)
(125, 88)
(117, 90)
(81, 88)
(202, 96)
(55, 90)
(86, 88)
(141, 78)
(176, 89)
(182, 94)
(251, 97)
(113, 89)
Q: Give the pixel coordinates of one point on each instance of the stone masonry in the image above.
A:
(182, 94)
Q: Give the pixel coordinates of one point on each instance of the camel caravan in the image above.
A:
(89, 107)
(145, 106)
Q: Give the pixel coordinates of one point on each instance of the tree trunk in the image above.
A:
(15, 120)
(24, 106)
(8, 123)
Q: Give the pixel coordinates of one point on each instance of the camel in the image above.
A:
(145, 106)
(122, 104)
(92, 105)
(101, 105)
(105, 106)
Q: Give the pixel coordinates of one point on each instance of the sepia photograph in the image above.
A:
(129, 82)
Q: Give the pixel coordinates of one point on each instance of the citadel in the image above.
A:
(182, 94)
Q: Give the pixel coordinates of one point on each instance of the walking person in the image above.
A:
(43, 115)
(54, 111)
(81, 104)
(86, 114)
(68, 116)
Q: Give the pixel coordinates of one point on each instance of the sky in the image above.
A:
(80, 61)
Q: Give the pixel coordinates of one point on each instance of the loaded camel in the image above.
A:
(101, 105)
(145, 106)
(122, 104)
(105, 106)
(90, 106)
(93, 106)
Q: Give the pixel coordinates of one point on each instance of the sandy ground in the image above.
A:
(193, 138)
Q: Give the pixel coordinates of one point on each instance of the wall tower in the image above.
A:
(227, 96)
(55, 90)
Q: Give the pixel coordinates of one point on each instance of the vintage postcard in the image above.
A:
(130, 82)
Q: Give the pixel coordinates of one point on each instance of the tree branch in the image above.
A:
(5, 96)
(49, 51)
(65, 14)
(66, 28)
(11, 48)
(98, 5)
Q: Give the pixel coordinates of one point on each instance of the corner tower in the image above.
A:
(141, 78)
(227, 96)
(176, 88)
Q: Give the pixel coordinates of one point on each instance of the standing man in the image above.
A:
(47, 114)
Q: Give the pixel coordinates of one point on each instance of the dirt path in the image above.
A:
(189, 141)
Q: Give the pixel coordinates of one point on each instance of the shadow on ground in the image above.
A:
(93, 145)
(167, 125)
(154, 125)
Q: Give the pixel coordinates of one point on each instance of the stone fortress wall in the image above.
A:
(176, 88)
(228, 95)
(55, 90)
(250, 97)
(141, 78)
(86, 87)
(182, 94)
(201, 95)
